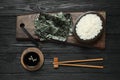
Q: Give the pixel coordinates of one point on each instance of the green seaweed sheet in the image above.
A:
(53, 26)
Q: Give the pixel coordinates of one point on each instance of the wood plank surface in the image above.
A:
(11, 49)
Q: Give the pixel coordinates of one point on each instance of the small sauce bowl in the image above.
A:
(32, 59)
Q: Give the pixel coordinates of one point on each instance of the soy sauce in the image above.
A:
(31, 59)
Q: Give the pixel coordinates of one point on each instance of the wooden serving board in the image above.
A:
(28, 20)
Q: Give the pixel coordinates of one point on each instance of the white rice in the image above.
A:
(89, 26)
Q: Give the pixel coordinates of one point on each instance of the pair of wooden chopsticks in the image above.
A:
(69, 63)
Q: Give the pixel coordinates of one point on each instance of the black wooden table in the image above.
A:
(10, 49)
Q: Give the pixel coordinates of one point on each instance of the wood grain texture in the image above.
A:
(17, 7)
(10, 49)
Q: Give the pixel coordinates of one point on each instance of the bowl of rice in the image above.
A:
(89, 27)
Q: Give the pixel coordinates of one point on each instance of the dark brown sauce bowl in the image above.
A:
(90, 41)
(37, 56)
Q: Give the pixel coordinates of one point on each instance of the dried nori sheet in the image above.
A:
(53, 26)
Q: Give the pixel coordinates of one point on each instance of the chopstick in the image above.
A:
(82, 65)
(75, 61)
(69, 63)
